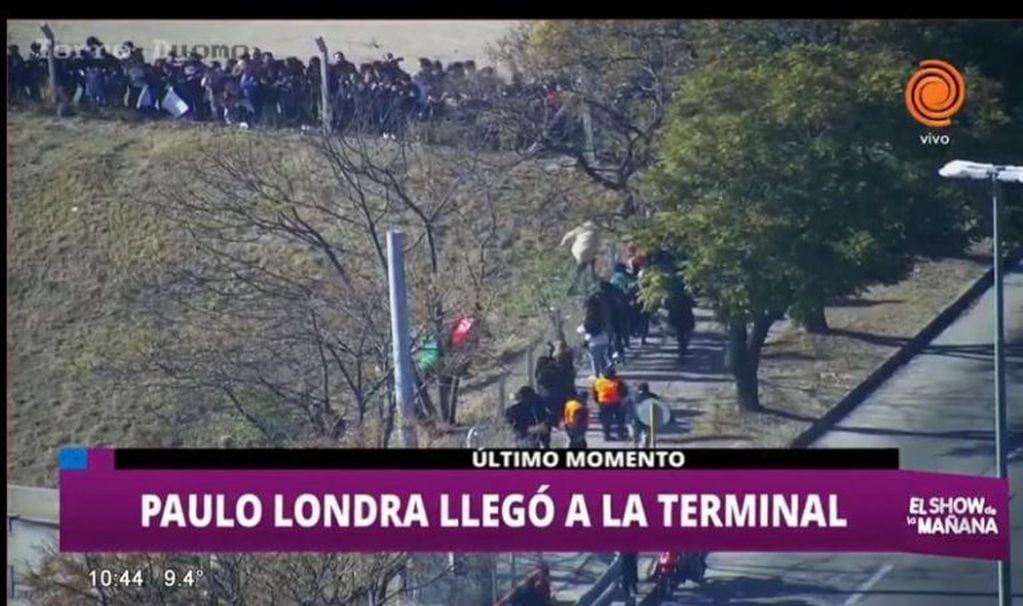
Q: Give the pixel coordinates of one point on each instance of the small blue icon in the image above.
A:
(73, 459)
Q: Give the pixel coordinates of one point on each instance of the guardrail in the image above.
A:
(33, 504)
(603, 589)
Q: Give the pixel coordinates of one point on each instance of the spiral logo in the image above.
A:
(935, 93)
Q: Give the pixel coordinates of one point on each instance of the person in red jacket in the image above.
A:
(535, 590)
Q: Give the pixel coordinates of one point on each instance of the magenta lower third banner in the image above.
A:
(105, 509)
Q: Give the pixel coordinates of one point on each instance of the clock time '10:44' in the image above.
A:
(136, 578)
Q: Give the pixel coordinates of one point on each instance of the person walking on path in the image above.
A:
(610, 393)
(626, 278)
(640, 430)
(619, 300)
(576, 421)
(680, 316)
(630, 575)
(597, 345)
(564, 361)
(530, 419)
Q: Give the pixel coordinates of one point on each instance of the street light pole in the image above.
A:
(996, 174)
(1001, 407)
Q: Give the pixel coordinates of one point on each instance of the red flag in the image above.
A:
(462, 330)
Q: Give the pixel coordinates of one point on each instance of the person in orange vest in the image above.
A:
(610, 392)
(576, 420)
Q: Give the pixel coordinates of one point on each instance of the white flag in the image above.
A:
(145, 98)
(173, 104)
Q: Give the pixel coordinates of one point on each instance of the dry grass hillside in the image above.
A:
(84, 230)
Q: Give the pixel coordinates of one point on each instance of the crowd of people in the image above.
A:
(614, 318)
(257, 88)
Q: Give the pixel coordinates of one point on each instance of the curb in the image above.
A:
(903, 355)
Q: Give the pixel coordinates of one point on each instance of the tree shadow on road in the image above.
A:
(704, 357)
(981, 352)
(867, 337)
(742, 591)
(788, 356)
(784, 414)
(962, 434)
(681, 439)
(987, 447)
(866, 302)
(746, 591)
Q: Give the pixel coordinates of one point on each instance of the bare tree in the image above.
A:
(311, 580)
(616, 75)
(279, 319)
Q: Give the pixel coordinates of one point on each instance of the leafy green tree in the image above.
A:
(994, 48)
(991, 49)
(795, 180)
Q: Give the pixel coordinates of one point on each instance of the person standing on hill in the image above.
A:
(550, 383)
(564, 361)
(585, 241)
(635, 259)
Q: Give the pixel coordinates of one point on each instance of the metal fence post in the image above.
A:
(502, 395)
(530, 354)
(51, 64)
(324, 84)
(401, 347)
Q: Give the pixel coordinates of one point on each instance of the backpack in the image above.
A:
(574, 408)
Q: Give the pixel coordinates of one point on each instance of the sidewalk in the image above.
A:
(684, 388)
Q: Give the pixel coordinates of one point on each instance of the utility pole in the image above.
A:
(401, 345)
(324, 86)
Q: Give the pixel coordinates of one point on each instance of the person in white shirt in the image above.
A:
(585, 241)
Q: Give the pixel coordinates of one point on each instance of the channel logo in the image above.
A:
(935, 93)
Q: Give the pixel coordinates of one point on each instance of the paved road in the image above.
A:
(938, 410)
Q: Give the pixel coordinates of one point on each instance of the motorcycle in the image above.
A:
(675, 568)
